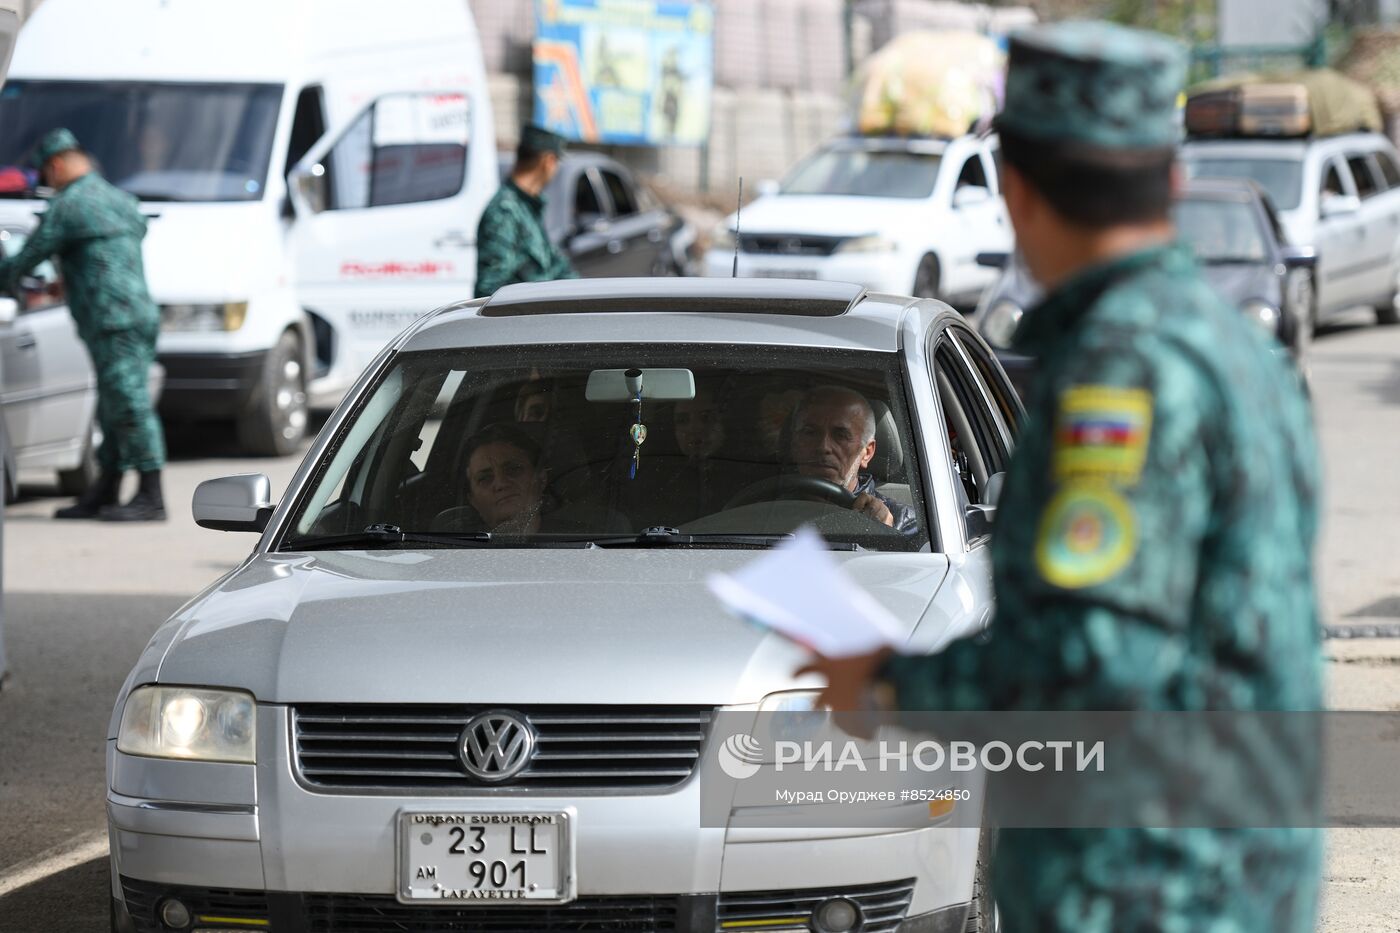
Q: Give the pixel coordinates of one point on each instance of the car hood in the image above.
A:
(211, 252)
(1237, 283)
(830, 214)
(511, 626)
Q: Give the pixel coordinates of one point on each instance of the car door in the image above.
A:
(48, 383)
(978, 216)
(1338, 242)
(386, 218)
(1372, 262)
(590, 243)
(641, 228)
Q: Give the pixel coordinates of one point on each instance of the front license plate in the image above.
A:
(466, 857)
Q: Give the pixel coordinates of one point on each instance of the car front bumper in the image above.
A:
(209, 385)
(257, 835)
(879, 272)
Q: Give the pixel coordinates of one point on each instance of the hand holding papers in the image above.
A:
(798, 590)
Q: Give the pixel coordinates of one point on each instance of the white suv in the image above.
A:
(1340, 195)
(904, 216)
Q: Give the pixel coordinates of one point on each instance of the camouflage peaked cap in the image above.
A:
(1094, 83)
(53, 143)
(539, 139)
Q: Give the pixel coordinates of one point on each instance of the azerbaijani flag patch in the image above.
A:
(1102, 432)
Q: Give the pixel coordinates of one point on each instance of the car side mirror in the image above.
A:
(9, 310)
(308, 189)
(1339, 205)
(992, 494)
(234, 503)
(970, 196)
(980, 518)
(1298, 257)
(994, 260)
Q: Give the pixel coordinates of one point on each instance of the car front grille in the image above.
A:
(882, 907)
(352, 913)
(789, 244)
(365, 748)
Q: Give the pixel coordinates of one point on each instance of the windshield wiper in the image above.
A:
(672, 537)
(1232, 261)
(154, 197)
(388, 536)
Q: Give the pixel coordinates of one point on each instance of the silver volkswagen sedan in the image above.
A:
(466, 680)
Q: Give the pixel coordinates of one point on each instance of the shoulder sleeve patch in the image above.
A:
(1087, 535)
(1101, 432)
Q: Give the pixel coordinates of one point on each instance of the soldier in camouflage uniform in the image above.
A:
(511, 242)
(95, 231)
(1153, 548)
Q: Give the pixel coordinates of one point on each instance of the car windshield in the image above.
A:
(1221, 231)
(872, 173)
(538, 446)
(159, 141)
(1281, 178)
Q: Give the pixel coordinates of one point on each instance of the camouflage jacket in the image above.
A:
(512, 245)
(95, 231)
(1153, 552)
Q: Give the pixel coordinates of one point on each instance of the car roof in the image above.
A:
(1285, 148)
(774, 312)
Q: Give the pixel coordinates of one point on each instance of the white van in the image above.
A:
(274, 295)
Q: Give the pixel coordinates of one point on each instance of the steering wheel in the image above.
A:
(793, 487)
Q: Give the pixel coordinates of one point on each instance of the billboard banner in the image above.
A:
(628, 72)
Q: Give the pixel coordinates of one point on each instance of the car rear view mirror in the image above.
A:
(1339, 205)
(9, 310)
(234, 503)
(654, 385)
(1298, 257)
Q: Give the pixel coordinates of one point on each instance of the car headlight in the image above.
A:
(203, 318)
(182, 722)
(1262, 313)
(868, 244)
(722, 238)
(1000, 324)
(791, 716)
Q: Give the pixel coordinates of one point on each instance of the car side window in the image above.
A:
(973, 174)
(38, 289)
(624, 203)
(1389, 170)
(997, 387)
(973, 435)
(308, 124)
(586, 203)
(1366, 183)
(404, 149)
(1332, 179)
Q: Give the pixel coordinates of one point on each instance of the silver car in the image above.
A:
(47, 388)
(482, 602)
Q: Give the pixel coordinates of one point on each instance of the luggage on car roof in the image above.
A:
(1319, 102)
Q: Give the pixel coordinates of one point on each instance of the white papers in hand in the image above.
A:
(798, 590)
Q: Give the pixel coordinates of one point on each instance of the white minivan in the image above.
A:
(313, 171)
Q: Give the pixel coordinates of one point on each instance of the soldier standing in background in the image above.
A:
(511, 242)
(1154, 542)
(95, 231)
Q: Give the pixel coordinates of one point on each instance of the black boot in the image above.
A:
(102, 493)
(148, 505)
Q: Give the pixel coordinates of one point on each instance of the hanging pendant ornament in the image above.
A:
(639, 437)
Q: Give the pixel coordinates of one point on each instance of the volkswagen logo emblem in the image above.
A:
(496, 746)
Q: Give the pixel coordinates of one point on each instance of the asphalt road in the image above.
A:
(82, 598)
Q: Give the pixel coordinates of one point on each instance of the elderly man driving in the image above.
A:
(834, 439)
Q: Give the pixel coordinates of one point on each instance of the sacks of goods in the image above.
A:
(1319, 102)
(940, 84)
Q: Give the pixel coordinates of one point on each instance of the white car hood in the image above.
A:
(831, 215)
(212, 252)
(510, 626)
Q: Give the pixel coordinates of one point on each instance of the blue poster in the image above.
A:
(631, 72)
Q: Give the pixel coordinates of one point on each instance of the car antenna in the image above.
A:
(738, 217)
